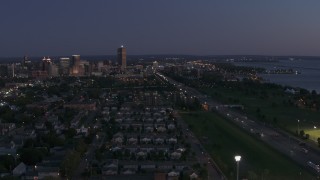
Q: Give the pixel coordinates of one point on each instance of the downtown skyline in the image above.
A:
(194, 28)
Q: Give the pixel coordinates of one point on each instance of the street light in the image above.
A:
(298, 127)
(237, 158)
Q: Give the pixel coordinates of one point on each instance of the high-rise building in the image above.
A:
(45, 64)
(12, 70)
(25, 66)
(84, 68)
(64, 66)
(76, 60)
(53, 70)
(122, 57)
(75, 65)
(26, 60)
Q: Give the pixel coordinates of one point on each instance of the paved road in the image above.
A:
(96, 143)
(202, 156)
(276, 138)
(89, 156)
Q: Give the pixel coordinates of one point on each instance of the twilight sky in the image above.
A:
(198, 27)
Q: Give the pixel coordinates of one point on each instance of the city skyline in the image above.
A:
(159, 90)
(206, 28)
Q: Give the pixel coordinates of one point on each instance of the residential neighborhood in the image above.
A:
(80, 127)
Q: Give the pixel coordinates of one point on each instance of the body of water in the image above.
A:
(308, 79)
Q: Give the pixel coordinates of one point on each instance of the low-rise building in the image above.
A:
(19, 170)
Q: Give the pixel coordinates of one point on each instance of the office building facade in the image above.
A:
(122, 57)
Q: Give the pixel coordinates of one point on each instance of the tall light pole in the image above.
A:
(298, 127)
(237, 158)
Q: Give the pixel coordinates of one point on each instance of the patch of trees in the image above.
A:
(32, 155)
(7, 163)
(73, 158)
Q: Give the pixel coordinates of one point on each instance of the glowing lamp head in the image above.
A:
(237, 158)
(121, 46)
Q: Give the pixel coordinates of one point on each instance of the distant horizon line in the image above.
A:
(231, 55)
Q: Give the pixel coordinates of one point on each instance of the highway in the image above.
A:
(281, 141)
(201, 154)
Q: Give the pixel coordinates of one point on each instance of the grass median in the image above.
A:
(270, 106)
(223, 140)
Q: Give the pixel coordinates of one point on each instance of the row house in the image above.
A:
(147, 148)
(6, 128)
(132, 140)
(146, 140)
(118, 138)
(171, 126)
(161, 129)
(159, 140)
(129, 168)
(128, 172)
(59, 128)
(173, 140)
(111, 167)
(148, 127)
(173, 174)
(137, 126)
(141, 154)
(132, 166)
(175, 155)
(148, 166)
(39, 126)
(116, 148)
(118, 120)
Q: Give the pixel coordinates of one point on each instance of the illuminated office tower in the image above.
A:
(75, 65)
(45, 64)
(122, 57)
(64, 66)
(75, 60)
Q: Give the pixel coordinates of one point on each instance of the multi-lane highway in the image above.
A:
(278, 139)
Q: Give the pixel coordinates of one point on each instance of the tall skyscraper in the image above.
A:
(75, 65)
(122, 57)
(12, 70)
(25, 65)
(45, 64)
(76, 60)
(64, 66)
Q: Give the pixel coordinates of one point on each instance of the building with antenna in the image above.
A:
(122, 58)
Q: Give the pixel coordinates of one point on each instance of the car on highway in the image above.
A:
(314, 166)
(304, 150)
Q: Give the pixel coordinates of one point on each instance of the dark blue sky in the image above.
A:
(199, 27)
